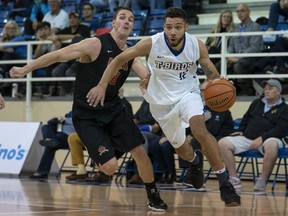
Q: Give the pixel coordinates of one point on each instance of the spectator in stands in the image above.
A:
(87, 17)
(150, 129)
(11, 33)
(55, 134)
(273, 64)
(39, 9)
(262, 128)
(243, 44)
(276, 9)
(2, 101)
(43, 31)
(57, 17)
(224, 24)
(76, 31)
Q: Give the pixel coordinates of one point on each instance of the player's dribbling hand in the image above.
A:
(144, 84)
(17, 72)
(96, 95)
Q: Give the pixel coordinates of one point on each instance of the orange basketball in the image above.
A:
(220, 95)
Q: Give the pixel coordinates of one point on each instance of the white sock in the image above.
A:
(81, 169)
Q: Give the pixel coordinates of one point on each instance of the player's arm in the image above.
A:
(86, 48)
(142, 48)
(206, 64)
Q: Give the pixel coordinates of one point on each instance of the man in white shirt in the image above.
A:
(57, 17)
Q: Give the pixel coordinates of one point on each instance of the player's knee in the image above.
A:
(110, 167)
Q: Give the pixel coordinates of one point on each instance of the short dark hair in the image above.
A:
(174, 12)
(119, 9)
(42, 25)
(88, 3)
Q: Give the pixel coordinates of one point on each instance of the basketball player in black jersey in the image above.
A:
(103, 128)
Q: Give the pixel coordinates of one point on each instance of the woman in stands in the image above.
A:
(224, 24)
(11, 33)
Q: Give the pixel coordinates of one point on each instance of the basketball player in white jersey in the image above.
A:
(174, 95)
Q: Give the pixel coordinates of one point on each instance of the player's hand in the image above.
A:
(96, 95)
(144, 84)
(2, 102)
(17, 72)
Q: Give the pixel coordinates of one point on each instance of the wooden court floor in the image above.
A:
(57, 197)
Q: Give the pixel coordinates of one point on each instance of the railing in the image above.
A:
(29, 79)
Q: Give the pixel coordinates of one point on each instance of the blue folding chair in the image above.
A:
(282, 160)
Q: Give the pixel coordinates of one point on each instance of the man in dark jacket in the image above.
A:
(262, 128)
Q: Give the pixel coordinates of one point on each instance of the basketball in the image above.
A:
(220, 95)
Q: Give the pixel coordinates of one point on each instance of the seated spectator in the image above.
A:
(43, 31)
(276, 64)
(276, 9)
(57, 17)
(39, 9)
(55, 134)
(75, 32)
(88, 19)
(243, 44)
(262, 128)
(163, 152)
(224, 24)
(11, 33)
(150, 129)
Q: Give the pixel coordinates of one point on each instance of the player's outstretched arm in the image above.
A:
(84, 48)
(206, 64)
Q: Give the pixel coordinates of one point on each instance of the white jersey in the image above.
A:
(59, 20)
(173, 74)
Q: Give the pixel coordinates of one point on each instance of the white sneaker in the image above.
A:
(260, 185)
(236, 182)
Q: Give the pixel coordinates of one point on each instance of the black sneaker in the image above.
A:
(156, 203)
(194, 175)
(48, 143)
(228, 195)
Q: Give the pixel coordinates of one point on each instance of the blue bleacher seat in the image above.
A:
(4, 14)
(20, 20)
(153, 26)
(158, 12)
(68, 7)
(106, 24)
(135, 33)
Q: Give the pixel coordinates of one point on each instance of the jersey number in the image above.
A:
(182, 75)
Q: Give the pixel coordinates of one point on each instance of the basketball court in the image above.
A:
(57, 197)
